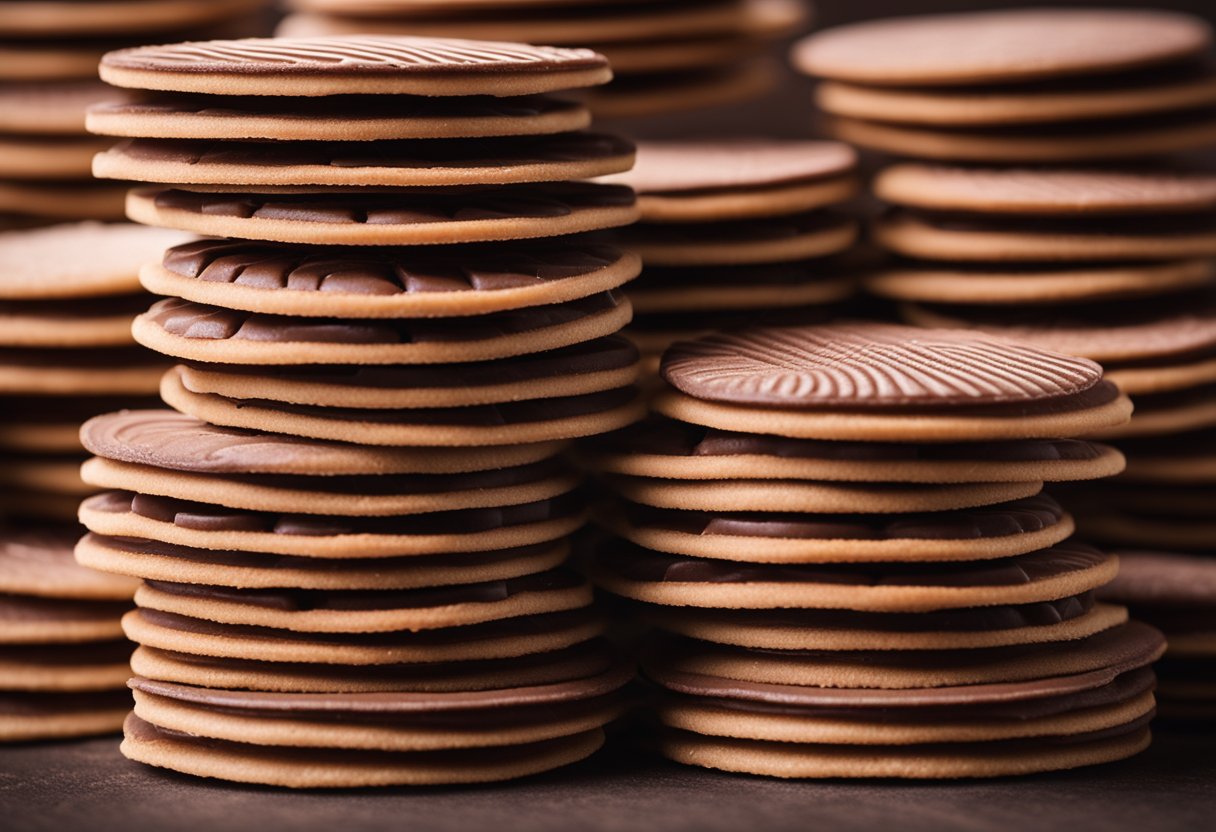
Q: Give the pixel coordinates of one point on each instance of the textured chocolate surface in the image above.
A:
(403, 154)
(668, 437)
(871, 365)
(636, 563)
(387, 271)
(974, 619)
(689, 167)
(557, 199)
(306, 600)
(351, 56)
(186, 319)
(1017, 517)
(208, 518)
(600, 355)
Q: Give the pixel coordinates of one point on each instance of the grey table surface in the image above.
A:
(89, 786)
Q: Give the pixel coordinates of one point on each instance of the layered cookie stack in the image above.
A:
(841, 530)
(48, 76)
(1018, 86)
(68, 294)
(669, 55)
(737, 232)
(352, 536)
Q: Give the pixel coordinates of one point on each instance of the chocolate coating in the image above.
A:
(869, 365)
(1012, 518)
(387, 271)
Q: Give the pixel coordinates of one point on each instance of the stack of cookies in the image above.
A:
(48, 76)
(841, 531)
(68, 294)
(737, 232)
(1018, 86)
(352, 535)
(669, 55)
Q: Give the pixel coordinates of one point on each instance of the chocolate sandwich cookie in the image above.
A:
(397, 721)
(1066, 569)
(197, 332)
(1064, 619)
(503, 639)
(1029, 284)
(346, 118)
(258, 570)
(397, 163)
(165, 439)
(394, 65)
(999, 531)
(408, 218)
(1096, 660)
(589, 367)
(577, 662)
(666, 449)
(123, 514)
(389, 283)
(531, 421)
(877, 382)
(338, 768)
(371, 611)
(704, 181)
(743, 242)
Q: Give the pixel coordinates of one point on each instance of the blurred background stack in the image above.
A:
(1059, 193)
(669, 56)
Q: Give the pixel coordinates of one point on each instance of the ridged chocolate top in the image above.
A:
(871, 365)
(387, 271)
(351, 55)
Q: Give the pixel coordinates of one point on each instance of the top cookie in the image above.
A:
(678, 167)
(871, 365)
(354, 65)
(1000, 46)
(1044, 191)
(76, 260)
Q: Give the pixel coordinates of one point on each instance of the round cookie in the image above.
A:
(399, 721)
(522, 212)
(348, 118)
(655, 94)
(99, 371)
(63, 201)
(48, 108)
(52, 476)
(589, 367)
(1000, 46)
(814, 497)
(1035, 285)
(997, 531)
(257, 570)
(48, 157)
(850, 382)
(39, 562)
(1044, 192)
(37, 620)
(997, 759)
(217, 335)
(371, 611)
(1160, 91)
(333, 768)
(732, 288)
(578, 661)
(537, 421)
(654, 578)
(389, 164)
(40, 716)
(1181, 458)
(387, 283)
(119, 514)
(29, 19)
(505, 639)
(665, 449)
(1170, 412)
(78, 260)
(171, 440)
(1062, 620)
(1100, 141)
(89, 666)
(1097, 660)
(707, 181)
(354, 65)
(745, 242)
(98, 322)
